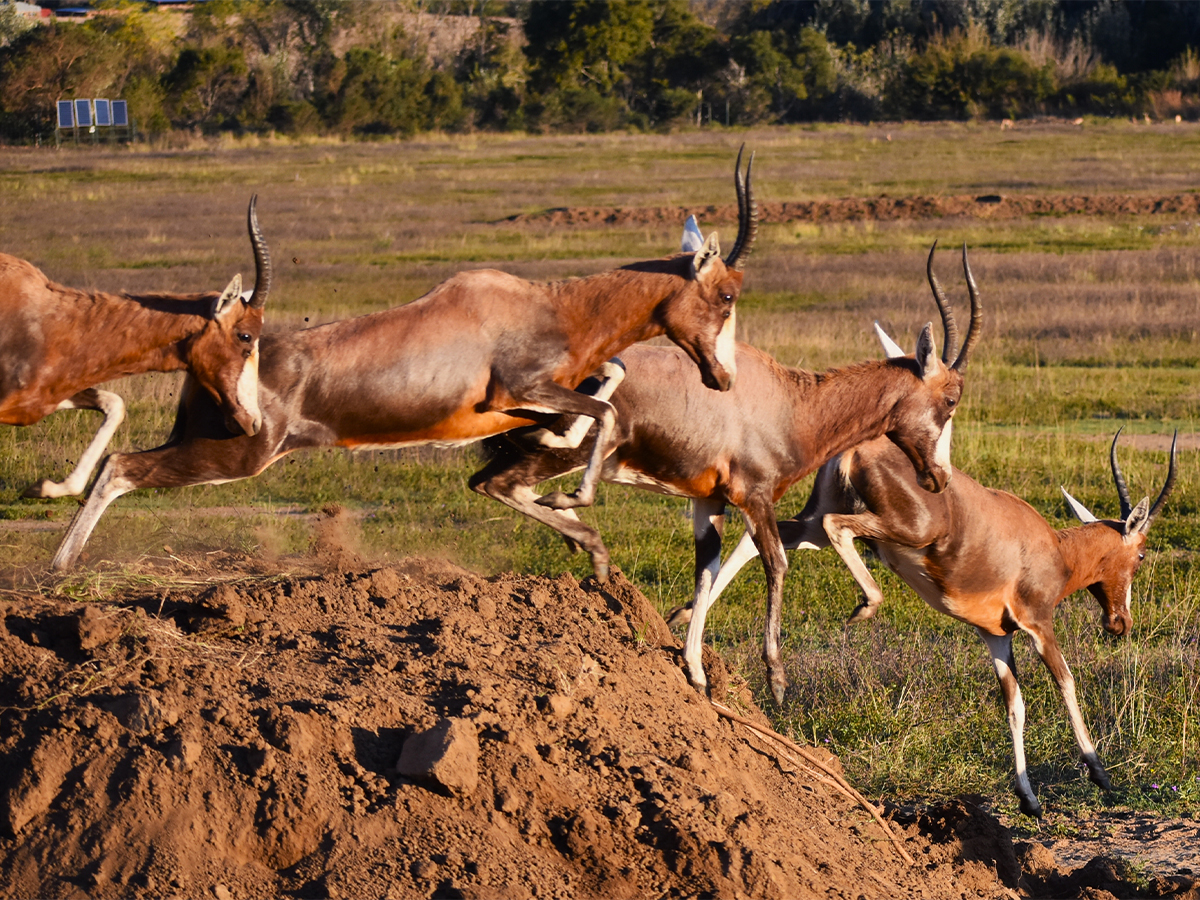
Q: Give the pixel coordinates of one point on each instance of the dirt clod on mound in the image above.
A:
(413, 731)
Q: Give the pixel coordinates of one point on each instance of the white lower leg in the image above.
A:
(106, 490)
(113, 408)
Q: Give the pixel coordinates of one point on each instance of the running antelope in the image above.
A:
(479, 354)
(57, 342)
(984, 557)
(744, 448)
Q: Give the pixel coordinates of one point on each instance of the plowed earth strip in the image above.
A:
(881, 208)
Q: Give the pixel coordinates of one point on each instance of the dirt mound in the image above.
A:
(882, 208)
(417, 730)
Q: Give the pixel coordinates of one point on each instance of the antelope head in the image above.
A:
(1120, 544)
(223, 357)
(924, 415)
(700, 316)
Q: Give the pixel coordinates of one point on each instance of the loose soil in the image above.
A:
(882, 208)
(417, 730)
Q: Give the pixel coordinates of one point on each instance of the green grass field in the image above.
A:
(1091, 323)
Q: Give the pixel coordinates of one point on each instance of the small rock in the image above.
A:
(142, 713)
(386, 584)
(224, 602)
(1035, 859)
(94, 629)
(560, 705)
(507, 801)
(182, 755)
(221, 892)
(424, 869)
(288, 731)
(447, 754)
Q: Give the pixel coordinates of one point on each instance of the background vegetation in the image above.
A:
(305, 67)
(1091, 323)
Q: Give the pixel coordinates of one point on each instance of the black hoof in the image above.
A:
(1100, 778)
(1031, 807)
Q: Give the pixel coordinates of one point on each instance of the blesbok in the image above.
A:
(57, 342)
(983, 556)
(481, 353)
(743, 448)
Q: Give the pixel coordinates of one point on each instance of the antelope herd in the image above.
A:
(534, 369)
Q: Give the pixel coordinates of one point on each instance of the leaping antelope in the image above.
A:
(479, 354)
(745, 447)
(57, 342)
(983, 556)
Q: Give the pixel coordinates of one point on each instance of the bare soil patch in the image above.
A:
(417, 730)
(882, 208)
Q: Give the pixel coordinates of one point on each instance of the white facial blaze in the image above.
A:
(942, 455)
(727, 344)
(1128, 597)
(247, 388)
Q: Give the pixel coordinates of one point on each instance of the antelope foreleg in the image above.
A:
(760, 522)
(708, 521)
(842, 530)
(110, 485)
(1000, 647)
(1047, 648)
(609, 377)
(796, 534)
(113, 408)
(562, 400)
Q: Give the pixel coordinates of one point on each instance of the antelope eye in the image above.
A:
(1141, 556)
(951, 402)
(245, 338)
(728, 298)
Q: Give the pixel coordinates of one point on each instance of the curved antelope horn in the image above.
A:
(747, 214)
(949, 329)
(960, 363)
(1167, 487)
(1118, 478)
(262, 258)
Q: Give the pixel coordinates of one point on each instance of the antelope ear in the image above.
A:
(1081, 512)
(890, 348)
(1139, 519)
(926, 352)
(704, 262)
(693, 240)
(224, 304)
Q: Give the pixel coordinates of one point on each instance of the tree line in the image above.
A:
(303, 67)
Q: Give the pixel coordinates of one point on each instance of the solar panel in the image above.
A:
(83, 113)
(103, 115)
(120, 114)
(66, 114)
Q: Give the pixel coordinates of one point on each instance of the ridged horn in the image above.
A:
(949, 328)
(1118, 478)
(747, 214)
(262, 258)
(1167, 487)
(960, 364)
